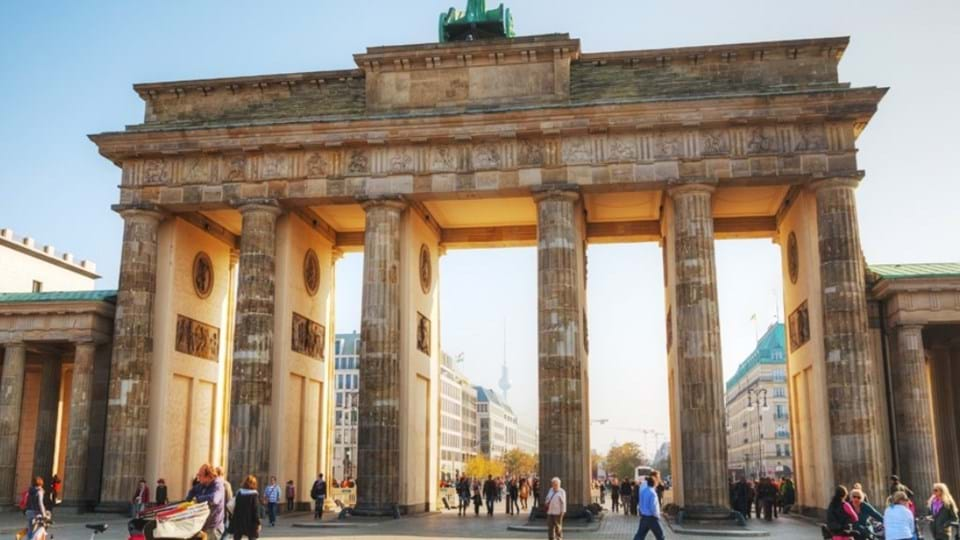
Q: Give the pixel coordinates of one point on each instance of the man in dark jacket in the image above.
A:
(319, 494)
(490, 492)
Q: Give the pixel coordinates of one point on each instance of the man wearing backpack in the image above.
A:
(318, 493)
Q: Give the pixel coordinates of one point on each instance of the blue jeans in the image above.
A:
(272, 512)
(647, 524)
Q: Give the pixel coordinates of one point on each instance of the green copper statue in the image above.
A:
(475, 23)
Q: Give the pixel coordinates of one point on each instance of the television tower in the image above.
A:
(504, 374)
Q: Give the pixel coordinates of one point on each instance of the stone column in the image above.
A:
(911, 403)
(378, 445)
(251, 384)
(848, 360)
(11, 398)
(944, 414)
(47, 416)
(128, 397)
(703, 435)
(564, 413)
(78, 438)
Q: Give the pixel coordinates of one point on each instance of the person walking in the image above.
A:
(943, 510)
(535, 487)
(463, 495)
(898, 520)
(272, 496)
(634, 497)
(896, 485)
(788, 494)
(291, 493)
(603, 493)
(649, 508)
(246, 511)
(490, 491)
(318, 492)
(524, 493)
(556, 506)
(141, 498)
(513, 497)
(227, 493)
(210, 489)
(614, 496)
(625, 492)
(160, 493)
(35, 506)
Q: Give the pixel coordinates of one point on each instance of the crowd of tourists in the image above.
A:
(768, 498)
(851, 516)
(624, 494)
(513, 490)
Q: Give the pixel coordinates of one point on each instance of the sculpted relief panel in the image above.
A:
(197, 339)
(504, 154)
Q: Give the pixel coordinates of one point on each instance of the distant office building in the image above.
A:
(346, 404)
(528, 439)
(458, 420)
(25, 267)
(758, 419)
(498, 423)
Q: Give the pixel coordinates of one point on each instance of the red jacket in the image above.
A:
(144, 497)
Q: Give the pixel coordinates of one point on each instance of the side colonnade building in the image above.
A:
(238, 195)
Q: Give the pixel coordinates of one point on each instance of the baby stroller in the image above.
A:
(179, 521)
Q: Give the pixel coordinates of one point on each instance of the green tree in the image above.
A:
(623, 460)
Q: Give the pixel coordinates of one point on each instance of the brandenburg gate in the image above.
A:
(238, 196)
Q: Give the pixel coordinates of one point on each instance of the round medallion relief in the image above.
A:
(311, 272)
(202, 275)
(426, 271)
(793, 257)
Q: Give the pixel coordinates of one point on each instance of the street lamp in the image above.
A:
(760, 397)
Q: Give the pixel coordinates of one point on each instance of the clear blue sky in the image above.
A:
(66, 70)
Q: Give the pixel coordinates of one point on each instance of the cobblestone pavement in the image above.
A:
(433, 526)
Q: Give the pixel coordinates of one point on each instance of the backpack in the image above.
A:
(24, 498)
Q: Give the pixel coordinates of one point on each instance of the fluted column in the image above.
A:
(849, 370)
(378, 445)
(564, 413)
(47, 416)
(128, 399)
(702, 428)
(11, 398)
(944, 414)
(911, 404)
(251, 388)
(78, 437)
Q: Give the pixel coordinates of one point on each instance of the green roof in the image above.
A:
(773, 341)
(59, 296)
(906, 271)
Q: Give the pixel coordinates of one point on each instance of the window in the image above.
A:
(340, 381)
(779, 450)
(786, 450)
(339, 399)
(339, 420)
(356, 382)
(37, 286)
(338, 346)
(781, 412)
(780, 392)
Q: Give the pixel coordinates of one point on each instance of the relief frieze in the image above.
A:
(197, 339)
(799, 325)
(308, 337)
(524, 152)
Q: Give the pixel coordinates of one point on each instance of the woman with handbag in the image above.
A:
(246, 511)
(943, 512)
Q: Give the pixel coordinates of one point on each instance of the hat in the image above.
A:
(894, 477)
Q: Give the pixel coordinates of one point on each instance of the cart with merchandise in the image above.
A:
(180, 521)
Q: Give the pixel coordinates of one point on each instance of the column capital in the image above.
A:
(141, 211)
(908, 327)
(271, 206)
(834, 182)
(396, 202)
(556, 192)
(14, 345)
(680, 187)
(84, 341)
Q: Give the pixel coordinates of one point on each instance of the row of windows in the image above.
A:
(345, 436)
(348, 382)
(346, 362)
(348, 400)
(338, 346)
(783, 450)
(346, 418)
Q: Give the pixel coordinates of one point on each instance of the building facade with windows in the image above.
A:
(757, 408)
(498, 424)
(27, 268)
(528, 439)
(458, 420)
(346, 379)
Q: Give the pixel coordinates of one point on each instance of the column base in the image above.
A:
(716, 515)
(377, 510)
(112, 508)
(574, 513)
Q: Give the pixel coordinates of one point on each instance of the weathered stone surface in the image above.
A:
(251, 397)
(562, 372)
(128, 396)
(46, 430)
(944, 413)
(78, 438)
(378, 446)
(912, 407)
(11, 396)
(849, 373)
(703, 432)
